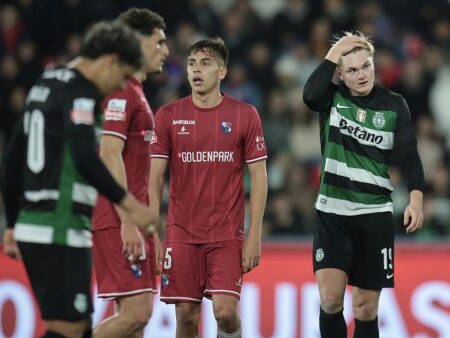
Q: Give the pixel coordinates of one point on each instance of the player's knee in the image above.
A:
(136, 321)
(225, 315)
(365, 311)
(331, 303)
(187, 319)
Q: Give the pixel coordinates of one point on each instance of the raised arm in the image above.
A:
(317, 93)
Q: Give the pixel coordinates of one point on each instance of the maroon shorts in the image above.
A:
(116, 275)
(191, 271)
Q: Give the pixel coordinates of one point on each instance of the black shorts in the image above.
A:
(61, 279)
(362, 246)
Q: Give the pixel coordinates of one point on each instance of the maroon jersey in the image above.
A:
(127, 115)
(207, 149)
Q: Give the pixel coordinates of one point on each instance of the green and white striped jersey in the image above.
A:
(57, 200)
(358, 136)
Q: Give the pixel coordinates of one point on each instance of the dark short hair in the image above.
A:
(215, 46)
(113, 37)
(142, 20)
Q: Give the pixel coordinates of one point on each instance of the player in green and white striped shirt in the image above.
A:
(363, 126)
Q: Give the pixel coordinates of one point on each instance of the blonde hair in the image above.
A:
(364, 40)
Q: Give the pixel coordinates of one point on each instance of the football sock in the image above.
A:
(333, 325)
(236, 334)
(366, 329)
(53, 334)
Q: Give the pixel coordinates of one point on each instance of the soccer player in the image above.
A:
(363, 125)
(207, 138)
(51, 169)
(124, 257)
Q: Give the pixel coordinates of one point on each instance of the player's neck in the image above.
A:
(140, 76)
(207, 100)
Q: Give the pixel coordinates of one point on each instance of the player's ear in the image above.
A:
(223, 72)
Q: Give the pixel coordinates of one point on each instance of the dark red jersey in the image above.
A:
(207, 150)
(127, 115)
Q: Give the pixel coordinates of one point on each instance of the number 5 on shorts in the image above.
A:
(167, 259)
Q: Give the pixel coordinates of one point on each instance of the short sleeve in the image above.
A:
(160, 143)
(117, 114)
(254, 144)
(404, 131)
(80, 105)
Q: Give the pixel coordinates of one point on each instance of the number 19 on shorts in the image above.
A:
(387, 258)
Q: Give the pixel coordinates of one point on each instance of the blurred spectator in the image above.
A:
(414, 86)
(240, 87)
(10, 27)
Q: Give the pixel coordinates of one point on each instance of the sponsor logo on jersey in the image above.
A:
(148, 135)
(379, 120)
(115, 111)
(260, 145)
(83, 111)
(361, 115)
(38, 94)
(206, 156)
(60, 74)
(183, 122)
(360, 133)
(226, 127)
(342, 107)
(183, 131)
(320, 254)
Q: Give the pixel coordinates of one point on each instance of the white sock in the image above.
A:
(236, 334)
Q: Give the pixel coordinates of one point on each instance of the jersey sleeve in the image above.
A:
(11, 180)
(80, 108)
(405, 135)
(117, 110)
(319, 88)
(254, 144)
(160, 142)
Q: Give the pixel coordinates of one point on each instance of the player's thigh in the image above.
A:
(183, 272)
(60, 277)
(138, 306)
(333, 243)
(223, 268)
(116, 275)
(373, 266)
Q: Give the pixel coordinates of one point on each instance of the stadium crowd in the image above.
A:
(274, 46)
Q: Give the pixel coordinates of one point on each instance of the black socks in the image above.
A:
(333, 325)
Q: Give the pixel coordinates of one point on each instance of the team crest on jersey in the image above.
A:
(379, 120)
(361, 115)
(226, 127)
(320, 254)
(148, 135)
(80, 302)
(166, 278)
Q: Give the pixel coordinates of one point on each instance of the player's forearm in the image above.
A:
(416, 198)
(258, 196)
(156, 184)
(11, 176)
(114, 163)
